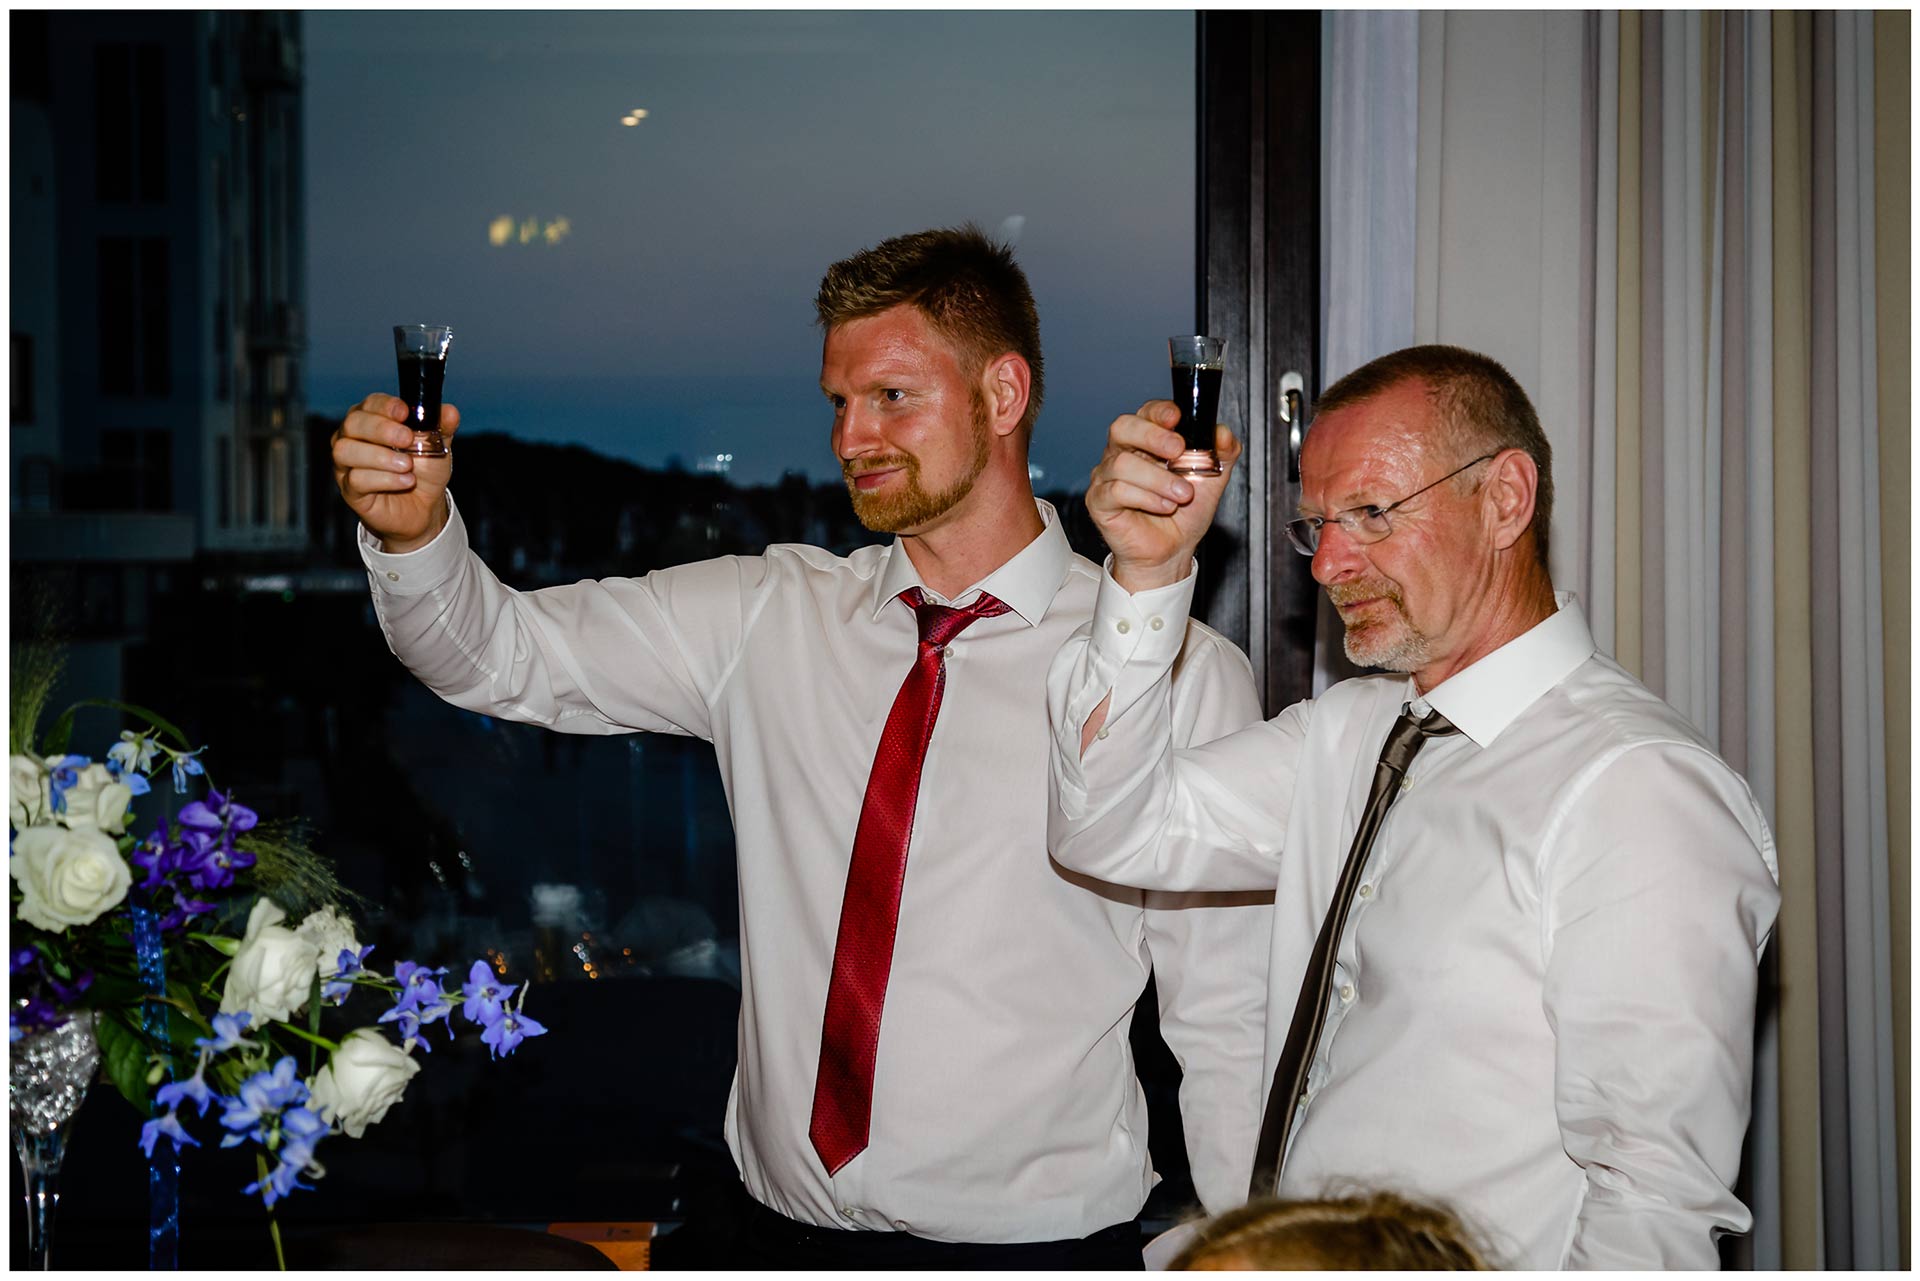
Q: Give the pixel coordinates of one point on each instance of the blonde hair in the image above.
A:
(968, 287)
(1376, 1230)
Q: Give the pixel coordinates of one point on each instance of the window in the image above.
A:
(130, 123)
(135, 348)
(135, 473)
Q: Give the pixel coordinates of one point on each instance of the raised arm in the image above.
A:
(1132, 803)
(589, 658)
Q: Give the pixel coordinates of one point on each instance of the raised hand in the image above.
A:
(1151, 518)
(399, 497)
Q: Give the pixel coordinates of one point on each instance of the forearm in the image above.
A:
(1210, 957)
(593, 658)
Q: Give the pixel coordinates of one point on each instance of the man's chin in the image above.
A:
(1367, 646)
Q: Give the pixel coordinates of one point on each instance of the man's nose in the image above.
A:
(855, 433)
(1337, 558)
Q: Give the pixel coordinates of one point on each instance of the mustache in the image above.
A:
(1345, 594)
(854, 468)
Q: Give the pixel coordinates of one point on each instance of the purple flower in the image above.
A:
(65, 773)
(168, 1125)
(509, 1030)
(300, 1130)
(69, 993)
(218, 813)
(281, 1183)
(351, 962)
(409, 1027)
(184, 765)
(193, 1089)
(156, 856)
(484, 997)
(262, 1096)
(22, 959)
(35, 1014)
(419, 989)
(227, 1033)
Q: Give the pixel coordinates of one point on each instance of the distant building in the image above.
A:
(158, 299)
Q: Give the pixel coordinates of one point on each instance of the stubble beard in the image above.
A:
(907, 506)
(1391, 643)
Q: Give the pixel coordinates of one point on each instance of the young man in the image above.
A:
(1514, 949)
(934, 1067)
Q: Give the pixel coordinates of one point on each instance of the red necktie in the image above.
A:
(870, 912)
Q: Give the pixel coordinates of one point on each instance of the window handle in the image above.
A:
(1293, 417)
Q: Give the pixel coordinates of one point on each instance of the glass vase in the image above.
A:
(51, 1071)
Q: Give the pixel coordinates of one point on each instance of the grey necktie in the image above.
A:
(1316, 987)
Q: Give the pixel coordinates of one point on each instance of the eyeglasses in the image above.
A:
(1367, 524)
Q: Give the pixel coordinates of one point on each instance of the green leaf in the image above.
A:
(123, 1057)
(182, 993)
(55, 744)
(137, 712)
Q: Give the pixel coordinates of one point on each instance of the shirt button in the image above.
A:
(1157, 623)
(1346, 993)
(947, 652)
(1101, 732)
(1405, 784)
(395, 577)
(1366, 891)
(846, 1214)
(1123, 627)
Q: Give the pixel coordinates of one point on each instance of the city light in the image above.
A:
(634, 117)
(507, 230)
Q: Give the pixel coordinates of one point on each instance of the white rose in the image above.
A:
(98, 800)
(331, 931)
(366, 1076)
(32, 798)
(67, 877)
(272, 972)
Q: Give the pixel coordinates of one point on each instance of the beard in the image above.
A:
(908, 505)
(1384, 636)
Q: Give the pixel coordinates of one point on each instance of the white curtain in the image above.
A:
(1667, 226)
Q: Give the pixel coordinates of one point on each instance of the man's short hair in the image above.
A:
(1481, 407)
(970, 288)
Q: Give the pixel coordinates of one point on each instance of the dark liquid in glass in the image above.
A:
(421, 378)
(1196, 389)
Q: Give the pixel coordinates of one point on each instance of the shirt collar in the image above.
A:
(1026, 584)
(1487, 697)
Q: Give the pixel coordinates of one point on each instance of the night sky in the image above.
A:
(671, 312)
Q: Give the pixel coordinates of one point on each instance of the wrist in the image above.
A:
(401, 546)
(1136, 577)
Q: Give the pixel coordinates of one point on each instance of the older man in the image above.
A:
(1519, 900)
(934, 1064)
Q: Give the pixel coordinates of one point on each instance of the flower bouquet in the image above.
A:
(164, 949)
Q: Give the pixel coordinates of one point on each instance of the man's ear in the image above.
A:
(1006, 382)
(1512, 480)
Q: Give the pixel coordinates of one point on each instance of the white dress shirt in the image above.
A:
(1542, 1007)
(1005, 1102)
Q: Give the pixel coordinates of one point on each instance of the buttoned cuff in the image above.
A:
(1134, 638)
(421, 570)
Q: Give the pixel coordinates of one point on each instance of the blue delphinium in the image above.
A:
(64, 772)
(352, 961)
(484, 996)
(420, 1001)
(169, 1125)
(228, 1033)
(507, 1031)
